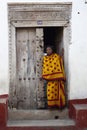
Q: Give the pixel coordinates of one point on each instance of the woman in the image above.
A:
(53, 73)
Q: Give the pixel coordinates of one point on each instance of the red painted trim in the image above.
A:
(75, 101)
(3, 110)
(79, 101)
(78, 115)
(4, 96)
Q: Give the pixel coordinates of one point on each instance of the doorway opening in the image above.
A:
(54, 36)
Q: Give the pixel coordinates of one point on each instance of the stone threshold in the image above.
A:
(37, 114)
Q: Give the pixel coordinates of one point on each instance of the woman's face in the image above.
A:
(49, 50)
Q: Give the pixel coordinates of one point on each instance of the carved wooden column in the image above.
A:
(39, 58)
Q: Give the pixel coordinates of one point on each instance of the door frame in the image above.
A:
(18, 17)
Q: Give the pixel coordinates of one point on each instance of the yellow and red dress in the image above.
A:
(53, 72)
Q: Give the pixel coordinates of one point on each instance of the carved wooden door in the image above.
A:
(29, 53)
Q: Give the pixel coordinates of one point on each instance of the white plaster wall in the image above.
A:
(78, 51)
(77, 48)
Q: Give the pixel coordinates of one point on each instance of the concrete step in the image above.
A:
(42, 123)
(37, 114)
(57, 124)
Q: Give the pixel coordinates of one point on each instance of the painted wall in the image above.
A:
(77, 48)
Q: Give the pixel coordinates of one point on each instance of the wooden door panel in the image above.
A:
(26, 75)
(29, 48)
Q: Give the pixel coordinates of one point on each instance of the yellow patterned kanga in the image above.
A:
(53, 72)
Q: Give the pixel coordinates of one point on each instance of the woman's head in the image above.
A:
(50, 49)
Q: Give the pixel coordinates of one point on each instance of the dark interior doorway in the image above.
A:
(53, 36)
